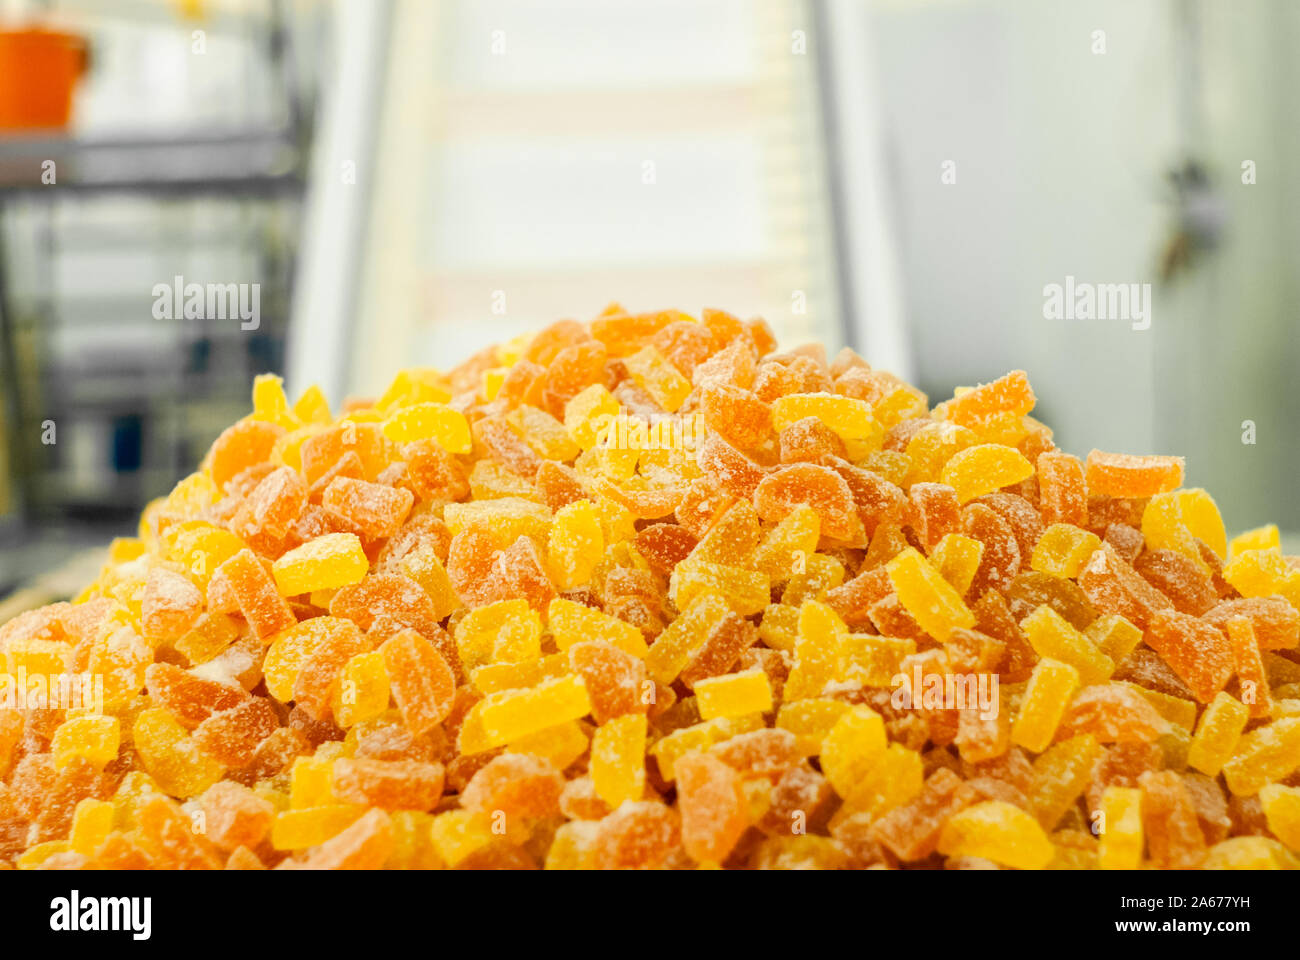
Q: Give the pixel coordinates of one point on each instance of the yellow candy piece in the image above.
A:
(34, 856)
(363, 690)
(126, 549)
(933, 446)
(1217, 734)
(871, 660)
(810, 720)
(779, 628)
(493, 380)
(821, 573)
(1203, 520)
(618, 758)
(94, 737)
(1061, 774)
(1174, 709)
(543, 433)
(489, 480)
(289, 650)
(1063, 549)
(1051, 635)
(733, 539)
(659, 378)
(820, 624)
(927, 596)
(573, 622)
(852, 747)
(1249, 853)
(38, 657)
(1264, 755)
(310, 781)
(312, 407)
(1051, 685)
(788, 546)
(668, 750)
(92, 820)
(170, 756)
(270, 403)
(851, 419)
(430, 421)
(1121, 829)
(413, 842)
(672, 649)
(734, 694)
(573, 846)
(510, 622)
(412, 386)
(1261, 538)
(817, 651)
(459, 833)
(1258, 573)
(325, 563)
(503, 521)
(616, 520)
(561, 744)
(899, 402)
(588, 415)
(512, 351)
(201, 548)
(957, 558)
(1282, 809)
(896, 778)
(513, 714)
(747, 592)
(423, 566)
(1114, 636)
(507, 675)
(998, 831)
(311, 826)
(1163, 528)
(984, 468)
(576, 545)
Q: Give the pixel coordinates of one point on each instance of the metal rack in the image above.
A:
(135, 400)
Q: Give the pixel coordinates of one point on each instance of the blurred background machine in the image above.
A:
(408, 180)
(183, 157)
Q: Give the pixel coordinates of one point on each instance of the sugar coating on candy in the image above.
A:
(647, 593)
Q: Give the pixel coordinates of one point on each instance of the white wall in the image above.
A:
(1060, 159)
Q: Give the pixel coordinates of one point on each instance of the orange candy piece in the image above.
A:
(421, 680)
(712, 805)
(1125, 475)
(252, 590)
(388, 784)
(240, 446)
(372, 509)
(807, 484)
(1199, 653)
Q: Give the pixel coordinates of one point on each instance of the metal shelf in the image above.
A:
(250, 162)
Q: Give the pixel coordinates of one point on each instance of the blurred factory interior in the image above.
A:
(402, 181)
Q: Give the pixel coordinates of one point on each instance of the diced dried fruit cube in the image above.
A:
(997, 831)
(618, 759)
(325, 563)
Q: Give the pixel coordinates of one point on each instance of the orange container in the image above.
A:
(39, 70)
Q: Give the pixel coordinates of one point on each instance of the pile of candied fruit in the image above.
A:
(647, 593)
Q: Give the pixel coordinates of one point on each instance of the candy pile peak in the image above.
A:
(647, 592)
